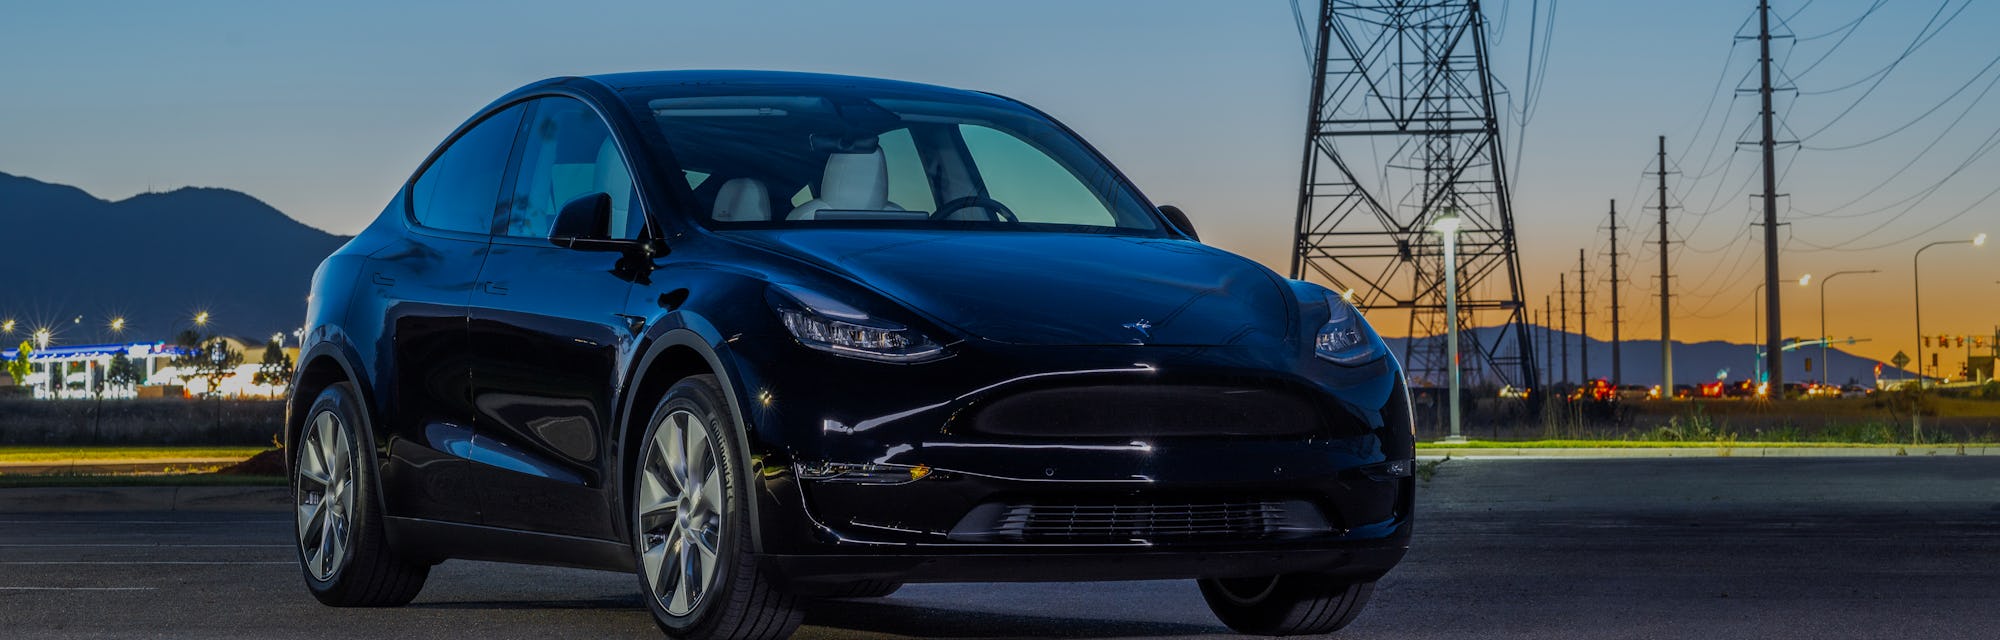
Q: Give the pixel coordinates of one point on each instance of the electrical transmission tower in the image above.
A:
(1402, 130)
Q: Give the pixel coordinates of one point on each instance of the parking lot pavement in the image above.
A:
(1672, 548)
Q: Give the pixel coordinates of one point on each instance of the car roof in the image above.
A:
(709, 77)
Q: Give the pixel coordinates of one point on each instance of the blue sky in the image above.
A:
(322, 108)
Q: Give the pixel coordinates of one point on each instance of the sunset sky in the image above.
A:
(321, 109)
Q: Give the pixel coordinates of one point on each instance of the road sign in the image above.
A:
(1901, 360)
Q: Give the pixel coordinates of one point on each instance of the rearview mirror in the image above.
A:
(1180, 221)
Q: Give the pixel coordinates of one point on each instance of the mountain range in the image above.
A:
(72, 261)
(1694, 362)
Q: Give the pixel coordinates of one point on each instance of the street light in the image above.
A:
(201, 318)
(1757, 335)
(42, 336)
(7, 326)
(1447, 226)
(278, 338)
(1824, 363)
(118, 324)
(1917, 292)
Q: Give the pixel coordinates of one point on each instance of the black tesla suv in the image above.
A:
(761, 337)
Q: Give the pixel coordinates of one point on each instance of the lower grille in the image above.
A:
(1135, 411)
(1071, 523)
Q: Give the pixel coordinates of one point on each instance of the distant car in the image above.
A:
(759, 337)
(1633, 392)
(1598, 389)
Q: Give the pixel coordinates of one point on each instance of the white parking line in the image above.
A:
(149, 545)
(128, 563)
(79, 588)
(201, 522)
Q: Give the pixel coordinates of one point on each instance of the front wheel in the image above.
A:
(342, 548)
(1287, 605)
(691, 524)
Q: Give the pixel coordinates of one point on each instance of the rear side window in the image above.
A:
(459, 190)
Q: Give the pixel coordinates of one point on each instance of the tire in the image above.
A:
(690, 505)
(1288, 605)
(855, 589)
(342, 549)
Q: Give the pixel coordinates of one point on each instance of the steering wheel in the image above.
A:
(992, 207)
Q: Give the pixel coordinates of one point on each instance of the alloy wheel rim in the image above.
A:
(680, 512)
(325, 494)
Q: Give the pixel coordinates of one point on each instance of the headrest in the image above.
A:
(855, 181)
(743, 200)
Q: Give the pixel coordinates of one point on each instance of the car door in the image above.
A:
(549, 326)
(422, 282)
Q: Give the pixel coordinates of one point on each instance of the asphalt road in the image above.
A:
(1673, 548)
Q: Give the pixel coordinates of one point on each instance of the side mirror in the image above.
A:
(588, 217)
(584, 224)
(1181, 222)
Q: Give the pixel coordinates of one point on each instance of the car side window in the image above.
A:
(568, 152)
(459, 190)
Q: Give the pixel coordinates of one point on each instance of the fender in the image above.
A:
(683, 329)
(336, 348)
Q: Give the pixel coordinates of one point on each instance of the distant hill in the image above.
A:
(1694, 363)
(154, 258)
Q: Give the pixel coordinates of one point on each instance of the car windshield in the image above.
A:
(838, 159)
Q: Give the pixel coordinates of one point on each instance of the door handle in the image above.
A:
(384, 280)
(495, 288)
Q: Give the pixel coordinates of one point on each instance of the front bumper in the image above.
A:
(1216, 493)
(1362, 562)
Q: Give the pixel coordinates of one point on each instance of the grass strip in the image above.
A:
(16, 453)
(140, 480)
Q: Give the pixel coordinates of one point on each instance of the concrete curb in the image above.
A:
(100, 499)
(1713, 452)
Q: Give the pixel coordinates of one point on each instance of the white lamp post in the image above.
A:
(1447, 226)
(1917, 292)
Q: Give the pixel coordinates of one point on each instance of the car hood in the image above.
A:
(1045, 288)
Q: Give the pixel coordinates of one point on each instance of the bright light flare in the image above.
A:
(201, 319)
(117, 325)
(1979, 240)
(1805, 279)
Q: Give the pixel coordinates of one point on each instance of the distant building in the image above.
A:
(66, 371)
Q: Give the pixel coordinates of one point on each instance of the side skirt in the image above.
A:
(437, 541)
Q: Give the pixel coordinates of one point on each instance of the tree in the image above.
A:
(187, 354)
(207, 357)
(277, 368)
(124, 372)
(18, 368)
(219, 360)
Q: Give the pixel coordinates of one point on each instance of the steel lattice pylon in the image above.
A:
(1402, 129)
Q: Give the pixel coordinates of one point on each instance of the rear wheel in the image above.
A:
(342, 549)
(692, 527)
(1287, 605)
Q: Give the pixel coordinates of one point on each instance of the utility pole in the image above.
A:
(1617, 367)
(1666, 295)
(1773, 326)
(1562, 295)
(1583, 317)
(1549, 341)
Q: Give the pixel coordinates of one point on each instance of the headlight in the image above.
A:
(1346, 338)
(828, 325)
